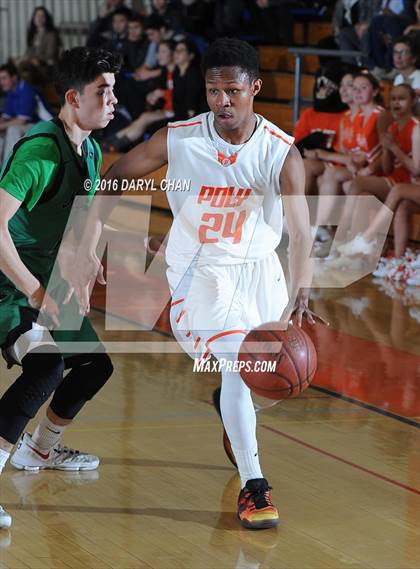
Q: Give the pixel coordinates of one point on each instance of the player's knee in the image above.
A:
(42, 373)
(101, 369)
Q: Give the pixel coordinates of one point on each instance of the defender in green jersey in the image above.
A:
(39, 182)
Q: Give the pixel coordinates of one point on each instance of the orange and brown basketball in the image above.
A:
(292, 356)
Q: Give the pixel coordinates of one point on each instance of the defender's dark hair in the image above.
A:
(10, 68)
(80, 66)
(232, 52)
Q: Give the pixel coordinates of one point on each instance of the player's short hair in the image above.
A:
(10, 69)
(80, 66)
(232, 52)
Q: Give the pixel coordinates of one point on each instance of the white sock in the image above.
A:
(248, 464)
(47, 434)
(4, 456)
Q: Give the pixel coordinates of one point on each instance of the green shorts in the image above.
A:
(17, 317)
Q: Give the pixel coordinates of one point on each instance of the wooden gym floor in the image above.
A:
(343, 458)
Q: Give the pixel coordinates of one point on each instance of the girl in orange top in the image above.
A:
(319, 161)
(401, 181)
(360, 143)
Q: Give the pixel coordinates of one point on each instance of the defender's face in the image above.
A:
(230, 95)
(96, 103)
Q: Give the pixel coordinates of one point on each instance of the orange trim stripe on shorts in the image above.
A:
(175, 302)
(221, 334)
(277, 135)
(187, 124)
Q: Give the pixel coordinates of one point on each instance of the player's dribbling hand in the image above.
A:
(298, 310)
(43, 302)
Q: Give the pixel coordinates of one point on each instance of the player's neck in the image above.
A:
(76, 134)
(240, 135)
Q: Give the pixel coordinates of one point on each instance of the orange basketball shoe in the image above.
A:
(255, 508)
(226, 442)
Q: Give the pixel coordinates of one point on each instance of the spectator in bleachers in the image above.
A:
(350, 21)
(135, 49)
(405, 63)
(160, 101)
(332, 164)
(132, 90)
(318, 126)
(156, 31)
(367, 127)
(19, 112)
(101, 29)
(401, 180)
(180, 96)
(188, 81)
(395, 16)
(169, 13)
(43, 39)
(119, 30)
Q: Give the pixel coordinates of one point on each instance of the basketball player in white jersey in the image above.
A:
(224, 274)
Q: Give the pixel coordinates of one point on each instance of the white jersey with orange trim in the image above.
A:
(232, 211)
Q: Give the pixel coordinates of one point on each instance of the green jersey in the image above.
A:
(44, 173)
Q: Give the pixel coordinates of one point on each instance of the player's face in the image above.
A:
(401, 102)
(230, 95)
(346, 89)
(96, 103)
(363, 91)
(402, 56)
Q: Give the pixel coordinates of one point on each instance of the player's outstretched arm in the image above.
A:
(142, 160)
(292, 183)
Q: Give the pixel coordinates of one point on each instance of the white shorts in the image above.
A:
(213, 302)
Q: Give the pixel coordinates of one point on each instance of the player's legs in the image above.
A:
(88, 374)
(196, 301)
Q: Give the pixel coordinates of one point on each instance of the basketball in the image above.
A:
(277, 364)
